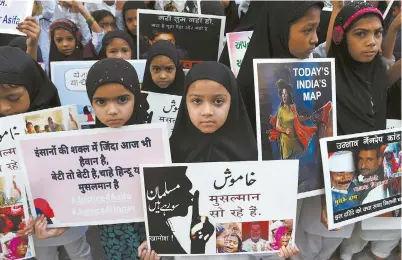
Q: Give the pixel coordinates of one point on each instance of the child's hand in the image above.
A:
(42, 232)
(288, 251)
(32, 30)
(29, 229)
(145, 253)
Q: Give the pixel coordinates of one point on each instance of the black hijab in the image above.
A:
(21, 42)
(18, 68)
(270, 40)
(246, 23)
(361, 90)
(165, 48)
(114, 70)
(234, 141)
(117, 34)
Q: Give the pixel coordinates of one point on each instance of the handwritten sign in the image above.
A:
(70, 78)
(163, 108)
(361, 174)
(205, 31)
(12, 13)
(217, 203)
(307, 87)
(237, 46)
(13, 127)
(92, 176)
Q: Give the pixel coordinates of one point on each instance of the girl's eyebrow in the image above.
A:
(110, 98)
(366, 30)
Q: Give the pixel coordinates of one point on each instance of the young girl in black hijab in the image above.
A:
(361, 100)
(117, 44)
(360, 73)
(285, 29)
(24, 87)
(114, 91)
(212, 126)
(163, 71)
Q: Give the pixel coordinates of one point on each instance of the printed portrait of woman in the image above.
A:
(283, 236)
(18, 248)
(292, 136)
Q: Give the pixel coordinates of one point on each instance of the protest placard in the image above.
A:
(43, 121)
(361, 174)
(237, 46)
(12, 13)
(197, 37)
(295, 107)
(70, 77)
(163, 108)
(220, 208)
(91, 177)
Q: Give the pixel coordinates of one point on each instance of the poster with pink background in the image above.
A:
(91, 177)
(237, 47)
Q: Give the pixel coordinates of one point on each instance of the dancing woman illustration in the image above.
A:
(292, 135)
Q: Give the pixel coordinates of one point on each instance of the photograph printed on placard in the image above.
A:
(362, 176)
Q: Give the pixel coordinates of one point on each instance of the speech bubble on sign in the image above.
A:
(75, 79)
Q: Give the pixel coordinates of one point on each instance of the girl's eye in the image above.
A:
(13, 98)
(112, 51)
(361, 34)
(123, 99)
(169, 69)
(308, 30)
(156, 69)
(70, 39)
(100, 102)
(219, 101)
(379, 33)
(196, 101)
(58, 40)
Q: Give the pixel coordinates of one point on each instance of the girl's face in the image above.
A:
(364, 39)
(303, 34)
(285, 96)
(113, 104)
(13, 100)
(220, 240)
(131, 20)
(21, 249)
(165, 37)
(65, 41)
(163, 71)
(285, 239)
(231, 244)
(108, 24)
(118, 48)
(208, 104)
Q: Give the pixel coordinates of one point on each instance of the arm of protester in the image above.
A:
(394, 73)
(29, 229)
(390, 39)
(48, 8)
(145, 253)
(324, 216)
(337, 6)
(78, 19)
(32, 30)
(119, 15)
(87, 16)
(43, 232)
(288, 251)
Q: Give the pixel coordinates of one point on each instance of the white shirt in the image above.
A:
(248, 245)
